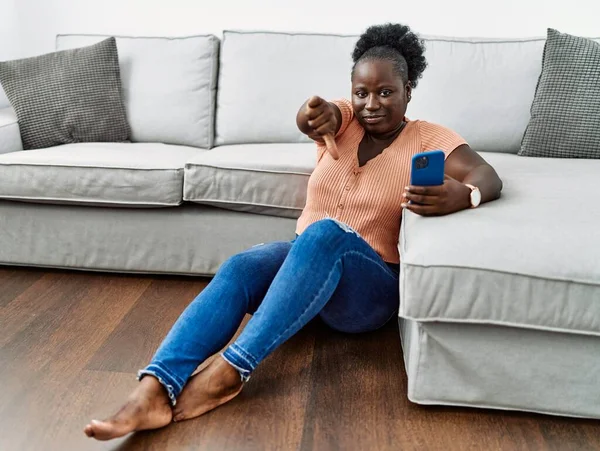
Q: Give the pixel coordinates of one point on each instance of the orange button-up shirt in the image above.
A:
(369, 198)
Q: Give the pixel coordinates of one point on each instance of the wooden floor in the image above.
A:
(71, 343)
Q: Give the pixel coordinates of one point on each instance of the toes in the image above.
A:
(104, 430)
(178, 416)
(89, 431)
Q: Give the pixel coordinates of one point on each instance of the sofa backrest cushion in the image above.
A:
(481, 88)
(169, 86)
(265, 77)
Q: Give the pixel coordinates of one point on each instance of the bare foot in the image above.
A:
(148, 407)
(217, 384)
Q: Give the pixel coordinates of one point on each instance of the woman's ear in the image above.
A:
(408, 91)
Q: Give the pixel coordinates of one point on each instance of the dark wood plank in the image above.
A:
(570, 434)
(359, 398)
(70, 344)
(358, 386)
(93, 394)
(133, 343)
(14, 281)
(38, 302)
(49, 353)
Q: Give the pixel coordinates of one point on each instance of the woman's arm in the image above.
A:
(463, 165)
(467, 166)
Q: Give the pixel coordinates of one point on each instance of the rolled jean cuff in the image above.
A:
(172, 387)
(240, 360)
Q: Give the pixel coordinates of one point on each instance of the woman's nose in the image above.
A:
(372, 103)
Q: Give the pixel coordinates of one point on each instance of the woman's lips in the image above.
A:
(372, 119)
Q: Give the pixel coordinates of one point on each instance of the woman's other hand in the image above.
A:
(464, 165)
(439, 200)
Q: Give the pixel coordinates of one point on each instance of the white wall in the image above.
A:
(10, 45)
(41, 20)
(9, 35)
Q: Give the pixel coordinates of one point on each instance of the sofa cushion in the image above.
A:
(132, 175)
(480, 88)
(529, 259)
(258, 178)
(489, 106)
(169, 86)
(565, 114)
(260, 92)
(10, 137)
(66, 97)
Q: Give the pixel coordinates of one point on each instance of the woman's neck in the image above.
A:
(388, 137)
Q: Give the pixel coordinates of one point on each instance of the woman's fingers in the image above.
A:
(422, 210)
(424, 190)
(421, 199)
(314, 101)
(314, 113)
(315, 106)
(317, 122)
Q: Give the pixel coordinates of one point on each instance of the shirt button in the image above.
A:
(347, 188)
(341, 206)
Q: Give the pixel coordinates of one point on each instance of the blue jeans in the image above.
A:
(329, 270)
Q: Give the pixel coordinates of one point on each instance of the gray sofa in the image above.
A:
(500, 306)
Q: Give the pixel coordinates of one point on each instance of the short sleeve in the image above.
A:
(345, 107)
(438, 137)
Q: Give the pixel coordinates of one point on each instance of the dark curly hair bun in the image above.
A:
(388, 42)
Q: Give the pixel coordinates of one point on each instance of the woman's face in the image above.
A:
(379, 97)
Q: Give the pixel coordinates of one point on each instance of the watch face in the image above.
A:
(475, 198)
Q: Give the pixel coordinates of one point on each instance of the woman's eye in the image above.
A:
(361, 94)
(386, 92)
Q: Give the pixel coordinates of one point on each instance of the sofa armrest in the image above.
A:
(10, 136)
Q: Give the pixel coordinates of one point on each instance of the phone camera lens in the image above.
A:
(422, 162)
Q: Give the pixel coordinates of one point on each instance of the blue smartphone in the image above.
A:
(427, 169)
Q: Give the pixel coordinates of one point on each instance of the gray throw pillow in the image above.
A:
(68, 96)
(565, 113)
